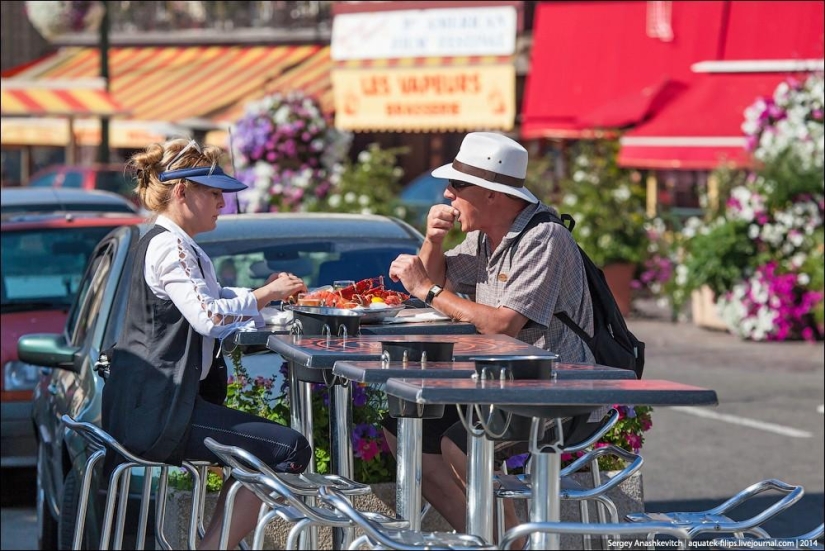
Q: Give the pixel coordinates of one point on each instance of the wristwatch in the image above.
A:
(434, 291)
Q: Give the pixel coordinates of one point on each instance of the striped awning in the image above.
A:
(26, 98)
(182, 83)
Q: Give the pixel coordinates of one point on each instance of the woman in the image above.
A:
(167, 384)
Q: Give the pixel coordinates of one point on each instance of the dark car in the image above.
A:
(62, 200)
(319, 247)
(43, 259)
(105, 177)
(419, 195)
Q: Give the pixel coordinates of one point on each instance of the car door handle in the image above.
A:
(52, 389)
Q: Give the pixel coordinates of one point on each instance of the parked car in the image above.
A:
(43, 258)
(318, 247)
(106, 177)
(419, 195)
(65, 200)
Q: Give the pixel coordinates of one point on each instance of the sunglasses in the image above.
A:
(458, 185)
(190, 145)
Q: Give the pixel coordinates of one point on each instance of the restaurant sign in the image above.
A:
(489, 31)
(468, 97)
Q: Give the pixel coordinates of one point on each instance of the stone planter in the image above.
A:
(703, 310)
(628, 498)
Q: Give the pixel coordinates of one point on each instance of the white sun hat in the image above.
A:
(491, 161)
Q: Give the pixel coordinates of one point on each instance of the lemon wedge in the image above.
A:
(377, 299)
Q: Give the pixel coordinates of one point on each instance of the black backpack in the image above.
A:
(612, 342)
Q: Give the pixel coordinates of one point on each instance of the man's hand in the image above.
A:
(440, 221)
(409, 270)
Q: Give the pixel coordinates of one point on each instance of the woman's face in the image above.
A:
(203, 205)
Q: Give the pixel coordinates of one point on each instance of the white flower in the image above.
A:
(349, 197)
(363, 200)
(622, 193)
(335, 200)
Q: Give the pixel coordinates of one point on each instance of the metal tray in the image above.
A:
(377, 315)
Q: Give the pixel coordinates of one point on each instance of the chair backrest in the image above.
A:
(256, 475)
(604, 529)
(343, 506)
(100, 439)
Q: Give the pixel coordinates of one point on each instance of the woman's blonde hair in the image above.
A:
(171, 155)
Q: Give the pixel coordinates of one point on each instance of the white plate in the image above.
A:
(276, 316)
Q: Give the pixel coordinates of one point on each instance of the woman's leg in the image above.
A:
(280, 447)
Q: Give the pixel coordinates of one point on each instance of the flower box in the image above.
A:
(704, 311)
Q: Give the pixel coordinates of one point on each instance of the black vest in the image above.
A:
(155, 372)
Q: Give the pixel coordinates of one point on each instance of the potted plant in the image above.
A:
(760, 256)
(288, 152)
(608, 204)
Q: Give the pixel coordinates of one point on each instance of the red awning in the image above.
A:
(776, 29)
(702, 128)
(594, 64)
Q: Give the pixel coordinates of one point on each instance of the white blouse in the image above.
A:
(173, 273)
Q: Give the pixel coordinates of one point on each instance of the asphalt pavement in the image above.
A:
(769, 424)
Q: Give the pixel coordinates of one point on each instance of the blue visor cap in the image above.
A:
(205, 175)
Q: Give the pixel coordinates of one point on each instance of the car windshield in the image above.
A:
(318, 263)
(42, 267)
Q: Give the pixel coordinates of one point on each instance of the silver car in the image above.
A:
(320, 248)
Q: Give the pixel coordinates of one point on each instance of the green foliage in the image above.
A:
(717, 258)
(180, 479)
(607, 202)
(369, 186)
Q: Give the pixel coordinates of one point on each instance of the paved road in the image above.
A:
(769, 424)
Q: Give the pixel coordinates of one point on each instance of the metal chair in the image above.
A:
(519, 486)
(283, 496)
(717, 521)
(118, 491)
(808, 540)
(603, 529)
(379, 536)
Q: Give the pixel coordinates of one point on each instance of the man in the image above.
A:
(511, 292)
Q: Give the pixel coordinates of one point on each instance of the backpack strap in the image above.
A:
(568, 222)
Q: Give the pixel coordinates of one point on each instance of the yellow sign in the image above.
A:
(425, 98)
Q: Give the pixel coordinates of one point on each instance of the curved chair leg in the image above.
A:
(108, 516)
(83, 498)
(145, 498)
(260, 529)
(292, 539)
(160, 509)
(229, 505)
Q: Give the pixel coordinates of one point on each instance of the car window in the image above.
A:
(42, 267)
(73, 180)
(426, 188)
(90, 297)
(250, 263)
(46, 180)
(116, 182)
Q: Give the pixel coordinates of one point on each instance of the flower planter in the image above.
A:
(618, 276)
(703, 309)
(628, 498)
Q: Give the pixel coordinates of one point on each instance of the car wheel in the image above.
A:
(68, 515)
(46, 525)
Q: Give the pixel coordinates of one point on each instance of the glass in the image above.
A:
(342, 283)
(303, 300)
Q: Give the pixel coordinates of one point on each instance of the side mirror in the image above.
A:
(47, 349)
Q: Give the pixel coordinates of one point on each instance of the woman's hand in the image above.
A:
(285, 285)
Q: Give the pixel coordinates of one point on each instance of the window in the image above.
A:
(73, 180)
(116, 182)
(85, 311)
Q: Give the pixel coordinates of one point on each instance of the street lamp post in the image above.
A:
(103, 152)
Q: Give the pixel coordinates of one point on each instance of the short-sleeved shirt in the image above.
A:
(544, 275)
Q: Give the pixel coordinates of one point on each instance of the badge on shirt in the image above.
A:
(502, 277)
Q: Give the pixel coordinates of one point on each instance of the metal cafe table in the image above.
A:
(409, 450)
(539, 399)
(311, 359)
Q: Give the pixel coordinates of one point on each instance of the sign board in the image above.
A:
(469, 97)
(489, 31)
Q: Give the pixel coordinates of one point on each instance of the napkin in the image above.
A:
(417, 316)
